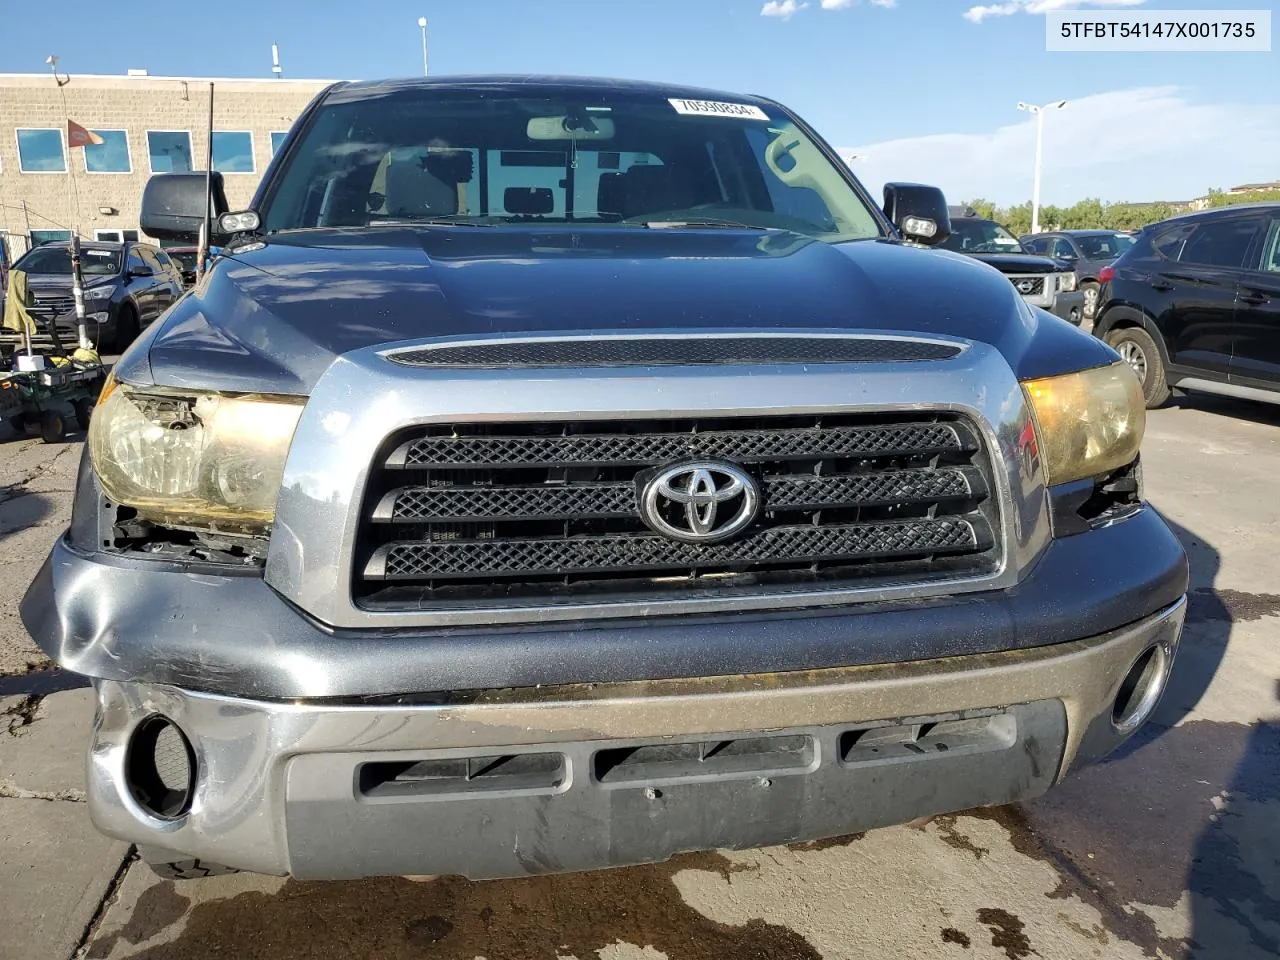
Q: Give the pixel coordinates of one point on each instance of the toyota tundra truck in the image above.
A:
(555, 474)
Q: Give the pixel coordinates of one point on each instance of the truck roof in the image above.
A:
(533, 84)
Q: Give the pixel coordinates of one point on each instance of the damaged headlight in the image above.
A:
(193, 458)
(1088, 423)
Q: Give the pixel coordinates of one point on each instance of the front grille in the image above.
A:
(1028, 286)
(661, 351)
(550, 512)
(52, 306)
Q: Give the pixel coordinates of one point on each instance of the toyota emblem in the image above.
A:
(700, 502)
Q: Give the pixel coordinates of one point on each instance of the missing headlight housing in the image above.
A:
(193, 458)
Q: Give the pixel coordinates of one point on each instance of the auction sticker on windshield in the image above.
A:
(711, 108)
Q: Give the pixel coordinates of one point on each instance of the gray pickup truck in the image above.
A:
(556, 474)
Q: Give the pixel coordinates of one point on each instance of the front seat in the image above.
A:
(609, 195)
(655, 189)
(413, 192)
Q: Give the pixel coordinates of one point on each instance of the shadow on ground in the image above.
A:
(20, 510)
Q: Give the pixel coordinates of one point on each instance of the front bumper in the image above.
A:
(144, 620)
(614, 774)
(1068, 306)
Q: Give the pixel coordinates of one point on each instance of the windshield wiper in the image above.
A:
(451, 220)
(708, 222)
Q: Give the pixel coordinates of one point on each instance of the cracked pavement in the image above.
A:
(1167, 850)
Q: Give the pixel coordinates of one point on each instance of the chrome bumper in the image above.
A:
(281, 787)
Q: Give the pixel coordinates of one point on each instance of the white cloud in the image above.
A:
(981, 12)
(783, 9)
(1158, 146)
(887, 4)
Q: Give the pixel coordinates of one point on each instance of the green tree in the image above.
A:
(1220, 198)
(1016, 219)
(985, 208)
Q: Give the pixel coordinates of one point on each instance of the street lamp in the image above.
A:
(422, 25)
(1035, 188)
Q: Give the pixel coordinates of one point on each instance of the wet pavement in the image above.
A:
(1168, 849)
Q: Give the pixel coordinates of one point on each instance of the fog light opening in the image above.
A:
(160, 768)
(1140, 691)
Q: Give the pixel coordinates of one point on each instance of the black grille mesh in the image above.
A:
(741, 446)
(619, 499)
(530, 512)
(610, 554)
(584, 500)
(658, 351)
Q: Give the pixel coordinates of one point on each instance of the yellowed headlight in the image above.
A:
(1088, 423)
(194, 458)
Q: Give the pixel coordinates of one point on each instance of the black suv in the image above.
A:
(1195, 304)
(1043, 282)
(1086, 251)
(127, 285)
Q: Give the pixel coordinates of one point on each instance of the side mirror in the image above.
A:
(173, 206)
(142, 270)
(919, 212)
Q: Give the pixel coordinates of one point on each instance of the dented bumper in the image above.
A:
(514, 782)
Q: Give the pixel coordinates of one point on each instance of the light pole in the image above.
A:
(422, 25)
(1035, 188)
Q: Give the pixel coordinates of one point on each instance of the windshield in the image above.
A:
(185, 259)
(981, 236)
(493, 159)
(57, 260)
(1104, 246)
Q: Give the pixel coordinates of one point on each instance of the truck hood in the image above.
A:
(273, 317)
(1022, 262)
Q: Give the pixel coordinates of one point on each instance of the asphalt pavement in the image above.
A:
(1169, 849)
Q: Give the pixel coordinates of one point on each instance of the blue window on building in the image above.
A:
(233, 151)
(277, 138)
(40, 151)
(169, 151)
(110, 156)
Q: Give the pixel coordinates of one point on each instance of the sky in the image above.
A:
(920, 90)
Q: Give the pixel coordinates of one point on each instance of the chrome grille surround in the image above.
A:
(313, 559)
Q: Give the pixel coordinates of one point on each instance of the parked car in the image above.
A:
(1195, 304)
(187, 259)
(1044, 282)
(587, 518)
(1087, 251)
(127, 285)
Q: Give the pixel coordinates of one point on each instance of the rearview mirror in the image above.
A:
(586, 127)
(141, 270)
(919, 212)
(173, 206)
